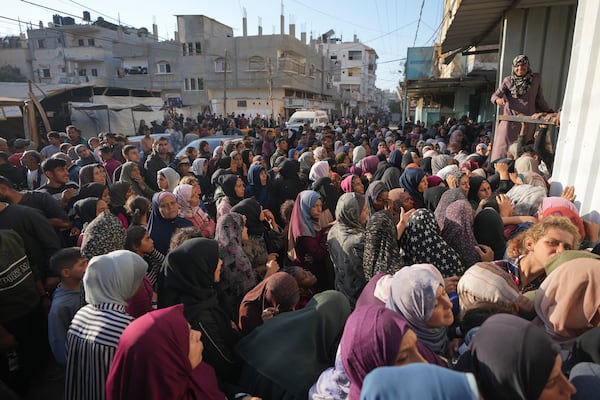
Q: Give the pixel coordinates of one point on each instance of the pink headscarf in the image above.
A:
(346, 184)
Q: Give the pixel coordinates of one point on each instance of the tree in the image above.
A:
(8, 73)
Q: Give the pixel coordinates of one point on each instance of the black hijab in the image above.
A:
(189, 277)
(510, 357)
(329, 194)
(489, 230)
(251, 209)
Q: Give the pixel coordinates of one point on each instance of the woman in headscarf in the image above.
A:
(345, 241)
(485, 282)
(519, 93)
(375, 337)
(424, 303)
(312, 332)
(216, 156)
(104, 234)
(167, 179)
(479, 191)
(237, 276)
(188, 200)
(93, 189)
(329, 195)
(433, 195)
(254, 243)
(358, 154)
(377, 196)
(527, 170)
(164, 220)
(232, 187)
(352, 183)
(488, 229)
(119, 193)
(414, 181)
(320, 169)
(258, 185)
(382, 253)
(285, 186)
(410, 157)
(306, 161)
(276, 294)
(110, 281)
(369, 166)
(130, 173)
(398, 201)
(457, 231)
(200, 170)
(423, 244)
(568, 303)
(419, 381)
(512, 358)
(191, 272)
(447, 198)
(92, 173)
(160, 357)
(391, 175)
(439, 162)
(307, 242)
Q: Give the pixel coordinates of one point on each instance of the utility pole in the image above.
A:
(225, 86)
(271, 87)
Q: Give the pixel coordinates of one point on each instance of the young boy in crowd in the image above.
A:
(70, 265)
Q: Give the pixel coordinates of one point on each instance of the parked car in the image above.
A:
(213, 142)
(316, 118)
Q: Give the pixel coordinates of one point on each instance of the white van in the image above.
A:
(316, 118)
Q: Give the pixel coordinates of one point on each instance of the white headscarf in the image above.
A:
(198, 166)
(114, 277)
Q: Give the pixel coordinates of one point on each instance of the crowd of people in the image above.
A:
(356, 261)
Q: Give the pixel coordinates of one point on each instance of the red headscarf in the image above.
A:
(151, 362)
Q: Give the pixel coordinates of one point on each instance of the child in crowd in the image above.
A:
(70, 266)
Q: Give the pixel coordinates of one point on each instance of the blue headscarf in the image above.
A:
(301, 223)
(419, 381)
(409, 180)
(254, 188)
(160, 229)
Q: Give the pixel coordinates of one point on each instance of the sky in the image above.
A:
(387, 26)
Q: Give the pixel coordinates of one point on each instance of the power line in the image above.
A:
(390, 32)
(335, 17)
(419, 22)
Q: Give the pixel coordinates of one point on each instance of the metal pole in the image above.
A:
(225, 87)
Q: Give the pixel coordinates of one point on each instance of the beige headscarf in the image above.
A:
(486, 282)
(568, 301)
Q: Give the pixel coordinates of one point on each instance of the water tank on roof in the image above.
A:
(68, 21)
(86, 16)
(57, 20)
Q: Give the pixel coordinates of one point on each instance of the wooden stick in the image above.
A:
(527, 119)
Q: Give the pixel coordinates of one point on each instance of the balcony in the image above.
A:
(291, 65)
(85, 54)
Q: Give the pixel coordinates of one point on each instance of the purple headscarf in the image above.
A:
(371, 339)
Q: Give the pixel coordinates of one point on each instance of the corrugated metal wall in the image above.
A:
(545, 35)
(578, 153)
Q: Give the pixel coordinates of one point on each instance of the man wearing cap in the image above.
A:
(281, 150)
(15, 175)
(19, 147)
(117, 149)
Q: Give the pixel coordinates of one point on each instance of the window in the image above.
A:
(241, 103)
(184, 48)
(82, 72)
(164, 68)
(190, 49)
(186, 84)
(220, 64)
(46, 72)
(192, 84)
(94, 72)
(198, 48)
(256, 63)
(91, 42)
(355, 55)
(41, 43)
(200, 84)
(333, 58)
(81, 42)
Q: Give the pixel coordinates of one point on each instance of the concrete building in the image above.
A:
(259, 74)
(354, 73)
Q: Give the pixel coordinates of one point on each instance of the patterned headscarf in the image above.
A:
(301, 223)
(520, 84)
(458, 231)
(382, 253)
(237, 276)
(423, 244)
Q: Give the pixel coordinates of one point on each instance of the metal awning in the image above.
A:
(444, 85)
(475, 23)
